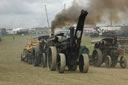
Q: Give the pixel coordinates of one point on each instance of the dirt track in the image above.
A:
(15, 72)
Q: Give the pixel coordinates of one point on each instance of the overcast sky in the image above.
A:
(29, 13)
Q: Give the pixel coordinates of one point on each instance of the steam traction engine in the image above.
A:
(107, 51)
(65, 51)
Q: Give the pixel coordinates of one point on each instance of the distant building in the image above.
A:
(40, 30)
(110, 28)
(89, 28)
(20, 31)
(124, 28)
(9, 31)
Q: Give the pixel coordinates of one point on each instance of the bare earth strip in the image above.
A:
(15, 72)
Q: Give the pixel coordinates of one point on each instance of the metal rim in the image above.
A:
(84, 63)
(35, 58)
(61, 63)
(108, 61)
(52, 54)
(44, 60)
(97, 57)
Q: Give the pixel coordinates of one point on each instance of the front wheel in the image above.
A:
(52, 54)
(123, 62)
(61, 63)
(84, 63)
(108, 61)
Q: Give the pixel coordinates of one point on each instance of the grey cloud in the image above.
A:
(15, 7)
(27, 13)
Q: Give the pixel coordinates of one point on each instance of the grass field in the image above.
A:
(15, 72)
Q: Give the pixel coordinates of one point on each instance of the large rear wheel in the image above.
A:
(84, 63)
(30, 58)
(61, 63)
(44, 60)
(52, 55)
(97, 57)
(36, 56)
